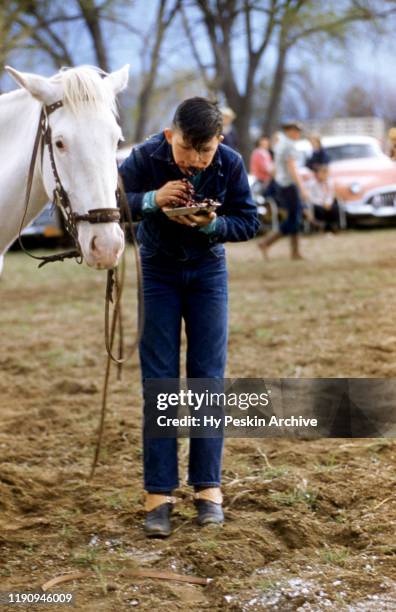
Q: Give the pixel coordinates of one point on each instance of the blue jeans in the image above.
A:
(196, 291)
(289, 198)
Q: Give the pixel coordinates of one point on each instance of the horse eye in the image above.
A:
(59, 144)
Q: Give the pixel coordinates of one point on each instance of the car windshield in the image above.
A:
(352, 151)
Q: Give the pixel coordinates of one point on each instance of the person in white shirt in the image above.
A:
(289, 190)
(322, 197)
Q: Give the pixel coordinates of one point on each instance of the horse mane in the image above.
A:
(86, 85)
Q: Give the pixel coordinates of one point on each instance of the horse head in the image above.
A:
(84, 137)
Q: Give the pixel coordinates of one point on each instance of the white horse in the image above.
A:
(85, 135)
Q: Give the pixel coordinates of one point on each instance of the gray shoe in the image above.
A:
(209, 512)
(157, 523)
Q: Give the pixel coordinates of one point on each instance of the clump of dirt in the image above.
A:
(73, 387)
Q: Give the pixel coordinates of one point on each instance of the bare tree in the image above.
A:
(10, 37)
(93, 16)
(28, 30)
(301, 21)
(41, 25)
(220, 19)
(152, 43)
(256, 26)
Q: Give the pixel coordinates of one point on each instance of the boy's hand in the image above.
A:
(173, 192)
(195, 220)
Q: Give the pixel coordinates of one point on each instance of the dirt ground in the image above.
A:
(310, 525)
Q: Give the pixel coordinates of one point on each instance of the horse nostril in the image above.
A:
(93, 245)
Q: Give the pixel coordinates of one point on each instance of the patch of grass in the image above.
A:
(68, 532)
(60, 357)
(29, 548)
(296, 497)
(335, 556)
(87, 557)
(119, 500)
(275, 472)
(264, 332)
(267, 584)
(339, 599)
(186, 513)
(328, 464)
(101, 578)
(209, 544)
(68, 514)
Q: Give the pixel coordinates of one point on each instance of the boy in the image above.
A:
(185, 277)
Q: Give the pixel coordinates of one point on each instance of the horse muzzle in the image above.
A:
(102, 245)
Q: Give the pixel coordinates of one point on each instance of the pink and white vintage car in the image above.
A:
(365, 178)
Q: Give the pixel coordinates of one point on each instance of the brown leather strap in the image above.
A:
(99, 215)
(115, 285)
(43, 133)
(50, 108)
(29, 183)
(153, 500)
(212, 494)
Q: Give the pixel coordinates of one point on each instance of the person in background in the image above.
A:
(392, 143)
(229, 132)
(319, 156)
(290, 190)
(322, 197)
(275, 139)
(261, 163)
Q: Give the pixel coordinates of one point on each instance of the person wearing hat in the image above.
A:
(290, 190)
(230, 137)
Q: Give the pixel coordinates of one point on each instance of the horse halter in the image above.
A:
(60, 197)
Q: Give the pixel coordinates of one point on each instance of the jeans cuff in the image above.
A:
(160, 488)
(210, 483)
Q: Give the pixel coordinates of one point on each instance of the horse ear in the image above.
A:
(118, 80)
(40, 87)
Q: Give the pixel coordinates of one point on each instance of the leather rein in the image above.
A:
(115, 281)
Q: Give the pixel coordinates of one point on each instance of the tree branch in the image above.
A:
(201, 66)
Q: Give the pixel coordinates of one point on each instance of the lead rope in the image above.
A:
(114, 289)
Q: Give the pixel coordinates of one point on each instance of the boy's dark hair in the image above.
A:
(199, 120)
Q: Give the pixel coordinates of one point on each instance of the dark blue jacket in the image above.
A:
(150, 165)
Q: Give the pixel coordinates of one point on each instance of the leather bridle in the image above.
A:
(59, 196)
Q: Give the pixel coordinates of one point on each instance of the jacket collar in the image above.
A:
(164, 153)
